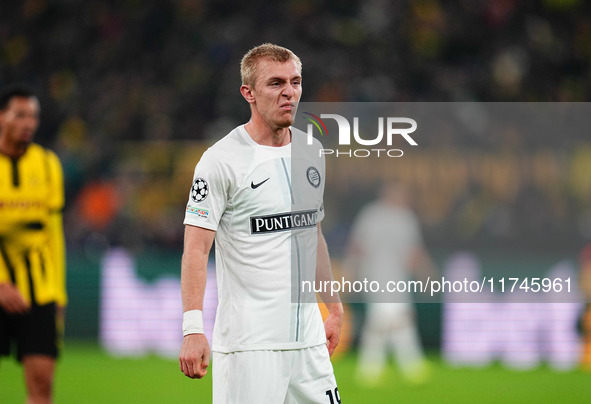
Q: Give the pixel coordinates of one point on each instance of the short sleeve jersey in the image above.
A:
(32, 252)
(264, 204)
(387, 236)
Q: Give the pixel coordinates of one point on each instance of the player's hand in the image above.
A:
(194, 356)
(333, 325)
(11, 299)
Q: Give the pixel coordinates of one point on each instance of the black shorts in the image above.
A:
(35, 332)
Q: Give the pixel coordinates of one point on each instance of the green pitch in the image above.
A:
(86, 375)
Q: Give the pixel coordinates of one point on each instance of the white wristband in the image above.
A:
(192, 322)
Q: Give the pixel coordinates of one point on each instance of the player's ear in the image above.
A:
(247, 93)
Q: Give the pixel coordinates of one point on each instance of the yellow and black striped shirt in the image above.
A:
(32, 248)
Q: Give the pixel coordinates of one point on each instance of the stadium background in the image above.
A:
(133, 91)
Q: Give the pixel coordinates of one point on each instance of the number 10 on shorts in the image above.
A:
(334, 397)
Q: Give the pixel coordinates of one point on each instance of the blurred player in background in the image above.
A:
(386, 245)
(267, 348)
(32, 253)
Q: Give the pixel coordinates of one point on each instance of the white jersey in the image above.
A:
(387, 236)
(264, 204)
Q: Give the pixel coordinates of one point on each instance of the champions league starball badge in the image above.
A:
(199, 190)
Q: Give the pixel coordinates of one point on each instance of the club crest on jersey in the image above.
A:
(313, 177)
(199, 190)
(283, 221)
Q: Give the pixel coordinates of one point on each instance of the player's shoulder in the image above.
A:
(305, 146)
(35, 149)
(40, 152)
(228, 157)
(228, 147)
(372, 209)
(301, 137)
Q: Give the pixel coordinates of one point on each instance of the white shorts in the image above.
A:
(274, 377)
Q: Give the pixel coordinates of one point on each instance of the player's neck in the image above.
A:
(10, 149)
(264, 135)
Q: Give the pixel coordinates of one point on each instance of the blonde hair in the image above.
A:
(269, 51)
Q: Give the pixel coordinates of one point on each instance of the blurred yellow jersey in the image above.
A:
(32, 249)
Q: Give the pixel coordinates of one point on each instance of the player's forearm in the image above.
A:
(324, 274)
(193, 279)
(331, 299)
(335, 309)
(57, 247)
(334, 321)
(198, 242)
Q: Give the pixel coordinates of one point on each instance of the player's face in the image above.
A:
(277, 91)
(19, 121)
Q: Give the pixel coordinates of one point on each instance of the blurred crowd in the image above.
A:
(164, 73)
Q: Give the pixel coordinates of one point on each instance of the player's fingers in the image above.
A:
(187, 366)
(183, 366)
(199, 370)
(8, 307)
(330, 347)
(200, 373)
(21, 307)
(202, 369)
(332, 343)
(17, 307)
(205, 358)
(194, 357)
(192, 369)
